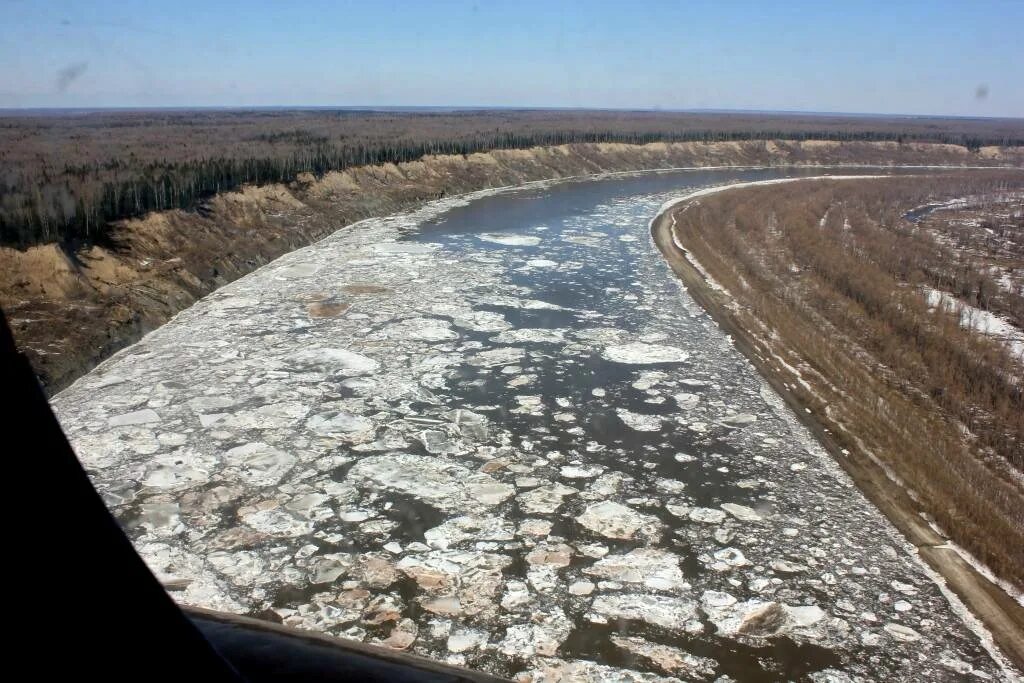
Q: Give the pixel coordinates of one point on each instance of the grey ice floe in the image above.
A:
(706, 515)
(546, 632)
(447, 486)
(535, 527)
(354, 428)
(268, 417)
(438, 442)
(139, 417)
(469, 528)
(786, 567)
(638, 353)
(758, 618)
(581, 588)
(592, 240)
(550, 554)
(600, 335)
(515, 302)
(328, 568)
(457, 583)
(298, 270)
(159, 516)
(503, 355)
(259, 464)
(653, 568)
(742, 512)
(403, 248)
(668, 659)
(326, 359)
(669, 612)
(526, 335)
(481, 321)
(517, 594)
(463, 640)
(181, 467)
(207, 404)
(614, 520)
(354, 515)
(583, 671)
(509, 240)
(276, 522)
(418, 329)
(544, 500)
(472, 426)
(686, 401)
(649, 379)
(581, 471)
(739, 420)
(901, 632)
(728, 559)
(638, 421)
(673, 486)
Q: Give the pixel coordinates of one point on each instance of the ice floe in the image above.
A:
(509, 240)
(614, 520)
(638, 353)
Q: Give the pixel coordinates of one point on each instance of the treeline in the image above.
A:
(69, 180)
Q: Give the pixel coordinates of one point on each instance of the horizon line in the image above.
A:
(9, 111)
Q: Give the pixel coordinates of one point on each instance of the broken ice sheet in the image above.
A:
(466, 465)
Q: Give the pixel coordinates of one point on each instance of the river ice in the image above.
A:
(530, 455)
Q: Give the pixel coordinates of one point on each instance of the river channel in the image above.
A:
(497, 432)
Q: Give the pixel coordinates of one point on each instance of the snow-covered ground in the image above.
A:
(975, 318)
(519, 448)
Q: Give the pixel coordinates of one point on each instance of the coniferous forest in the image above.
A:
(66, 176)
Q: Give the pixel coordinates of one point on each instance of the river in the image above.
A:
(498, 433)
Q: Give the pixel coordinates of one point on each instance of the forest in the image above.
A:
(832, 279)
(66, 176)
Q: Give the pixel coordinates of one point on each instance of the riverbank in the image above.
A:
(71, 308)
(1001, 615)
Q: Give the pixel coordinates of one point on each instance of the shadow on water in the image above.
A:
(414, 517)
(778, 659)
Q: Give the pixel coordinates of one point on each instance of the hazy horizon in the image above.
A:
(908, 59)
(441, 108)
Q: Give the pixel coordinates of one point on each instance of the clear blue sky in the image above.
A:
(898, 56)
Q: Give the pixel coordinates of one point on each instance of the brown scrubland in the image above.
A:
(826, 281)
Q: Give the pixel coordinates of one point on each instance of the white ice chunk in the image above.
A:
(638, 353)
